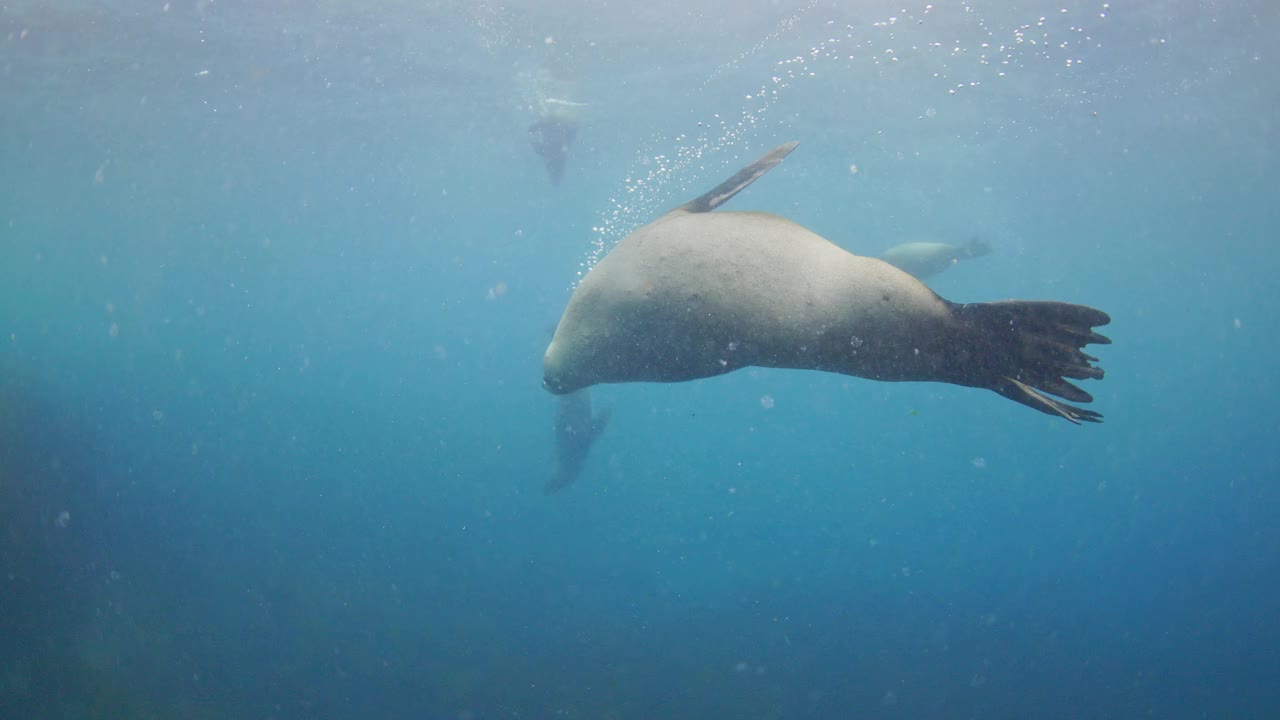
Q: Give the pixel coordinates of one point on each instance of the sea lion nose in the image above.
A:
(552, 377)
(553, 385)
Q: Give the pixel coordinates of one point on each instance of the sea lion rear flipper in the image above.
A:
(1029, 348)
(1029, 396)
(744, 177)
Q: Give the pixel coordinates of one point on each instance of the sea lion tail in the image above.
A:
(1029, 348)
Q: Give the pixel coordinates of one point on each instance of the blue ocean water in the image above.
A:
(276, 280)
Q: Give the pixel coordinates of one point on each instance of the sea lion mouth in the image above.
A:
(553, 375)
(555, 387)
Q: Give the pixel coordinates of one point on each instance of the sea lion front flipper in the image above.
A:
(576, 430)
(744, 177)
(600, 422)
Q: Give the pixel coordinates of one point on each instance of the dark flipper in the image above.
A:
(576, 430)
(744, 177)
(1029, 348)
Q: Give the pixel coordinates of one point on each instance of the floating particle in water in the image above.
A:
(979, 462)
(63, 519)
(766, 402)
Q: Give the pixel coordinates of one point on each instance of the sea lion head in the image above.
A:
(557, 375)
(583, 354)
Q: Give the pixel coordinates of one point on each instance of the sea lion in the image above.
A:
(551, 138)
(576, 429)
(926, 259)
(698, 293)
(553, 133)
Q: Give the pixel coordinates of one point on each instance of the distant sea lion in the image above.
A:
(926, 259)
(696, 294)
(553, 133)
(551, 138)
(576, 429)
